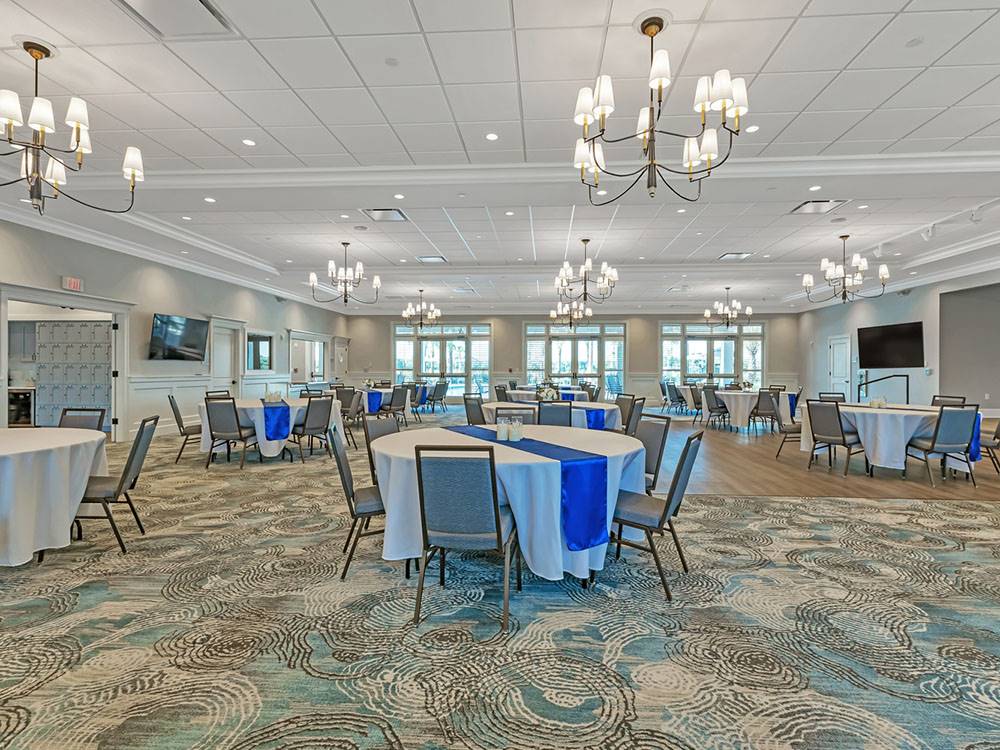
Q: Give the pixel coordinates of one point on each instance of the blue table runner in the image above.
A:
(571, 395)
(595, 419)
(277, 420)
(793, 400)
(975, 451)
(374, 401)
(584, 486)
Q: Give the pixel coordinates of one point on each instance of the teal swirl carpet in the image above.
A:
(806, 623)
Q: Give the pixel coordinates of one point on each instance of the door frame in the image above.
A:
(829, 363)
(238, 327)
(120, 312)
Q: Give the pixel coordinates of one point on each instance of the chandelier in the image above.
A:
(728, 312)
(570, 313)
(587, 285)
(843, 282)
(42, 123)
(345, 280)
(722, 94)
(421, 314)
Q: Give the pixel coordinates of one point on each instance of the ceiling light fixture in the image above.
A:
(843, 282)
(863, 206)
(209, 199)
(753, 128)
(814, 188)
(399, 196)
(575, 292)
(41, 122)
(728, 312)
(421, 314)
(248, 142)
(345, 216)
(186, 218)
(508, 213)
(492, 137)
(345, 280)
(722, 94)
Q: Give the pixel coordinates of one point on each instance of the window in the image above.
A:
(307, 358)
(259, 352)
(696, 351)
(753, 359)
(670, 360)
(404, 360)
(535, 360)
(458, 353)
(565, 356)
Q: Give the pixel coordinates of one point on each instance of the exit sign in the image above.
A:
(72, 283)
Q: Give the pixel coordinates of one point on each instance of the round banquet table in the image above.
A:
(612, 414)
(386, 398)
(251, 413)
(529, 483)
(568, 394)
(43, 474)
(741, 403)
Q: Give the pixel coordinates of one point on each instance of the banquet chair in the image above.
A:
(828, 432)
(187, 431)
(940, 400)
(512, 384)
(777, 387)
(82, 419)
(363, 504)
(438, 396)
(527, 414)
(108, 491)
(652, 433)
(354, 412)
(501, 392)
(345, 395)
(651, 514)
(832, 396)
(664, 396)
(790, 433)
(991, 444)
(224, 427)
(412, 390)
(469, 519)
(624, 402)
(310, 394)
(218, 394)
(798, 402)
(374, 429)
(315, 425)
(396, 407)
(696, 398)
(635, 415)
(716, 409)
(474, 409)
(555, 413)
(952, 438)
(676, 397)
(765, 409)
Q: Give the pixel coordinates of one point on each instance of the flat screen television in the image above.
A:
(888, 347)
(177, 337)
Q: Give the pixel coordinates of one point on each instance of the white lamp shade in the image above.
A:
(313, 281)
(76, 113)
(10, 108)
(604, 96)
(581, 157)
(40, 118)
(659, 70)
(708, 313)
(722, 90)
(703, 95)
(692, 153)
(838, 272)
(331, 268)
(710, 144)
(84, 143)
(27, 163)
(824, 264)
(863, 265)
(856, 260)
(132, 165)
(807, 280)
(55, 172)
(376, 283)
(642, 124)
(883, 272)
(749, 311)
(741, 105)
(584, 106)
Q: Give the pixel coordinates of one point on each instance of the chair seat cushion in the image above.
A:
(639, 508)
(850, 438)
(192, 429)
(458, 540)
(101, 487)
(922, 443)
(368, 501)
(792, 429)
(988, 441)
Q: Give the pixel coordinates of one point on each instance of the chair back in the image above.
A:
(501, 391)
(635, 416)
(357, 404)
(652, 433)
(82, 419)
(344, 469)
(310, 394)
(318, 410)
(695, 395)
(137, 453)
(222, 416)
(474, 409)
(345, 394)
(512, 384)
(839, 398)
(557, 413)
(767, 402)
(711, 400)
(316, 387)
(940, 400)
(218, 394)
(624, 402)
(682, 475)
(440, 390)
(955, 427)
(824, 421)
(673, 393)
(776, 409)
(596, 394)
(178, 417)
(526, 413)
(663, 389)
(398, 400)
(776, 387)
(465, 518)
(374, 429)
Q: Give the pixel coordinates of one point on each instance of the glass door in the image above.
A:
(454, 366)
(562, 361)
(587, 366)
(724, 360)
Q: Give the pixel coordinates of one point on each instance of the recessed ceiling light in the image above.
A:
(508, 213)
(399, 196)
(248, 142)
(863, 206)
(186, 218)
(402, 260)
(814, 188)
(753, 128)
(698, 234)
(288, 260)
(684, 275)
(184, 252)
(461, 195)
(345, 216)
(267, 278)
(209, 199)
(492, 137)
(766, 255)
(602, 191)
(25, 200)
(642, 257)
(897, 254)
(913, 273)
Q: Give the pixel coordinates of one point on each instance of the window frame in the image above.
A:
(687, 331)
(473, 331)
(548, 332)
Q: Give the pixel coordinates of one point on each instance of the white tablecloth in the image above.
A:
(612, 415)
(530, 484)
(688, 396)
(741, 403)
(386, 396)
(43, 473)
(251, 412)
(523, 394)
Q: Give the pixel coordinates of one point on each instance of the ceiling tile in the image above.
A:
(367, 138)
(28, 25)
(863, 89)
(741, 46)
(220, 162)
(151, 67)
(826, 43)
(189, 142)
(342, 106)
(330, 160)
(549, 56)
(988, 93)
(889, 123)
(206, 109)
(463, 15)
(369, 17)
(96, 22)
(958, 122)
(502, 156)
(848, 7)
(439, 157)
(232, 138)
(731, 10)
(289, 18)
(483, 102)
(474, 135)
(539, 134)
(556, 13)
(391, 60)
(551, 100)
(979, 48)
(856, 147)
(309, 63)
(139, 111)
(412, 103)
(274, 162)
(918, 38)
(230, 66)
(382, 158)
(920, 145)
(81, 73)
(273, 107)
(116, 141)
(18, 76)
(990, 143)
(817, 126)
(942, 87)
(474, 56)
(626, 51)
(308, 140)
(626, 11)
(786, 92)
(429, 137)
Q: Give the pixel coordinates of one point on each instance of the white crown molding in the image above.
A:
(956, 248)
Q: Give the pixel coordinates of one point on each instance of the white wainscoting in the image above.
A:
(788, 379)
(357, 378)
(643, 384)
(256, 385)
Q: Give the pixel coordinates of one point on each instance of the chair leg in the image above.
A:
(780, 446)
(427, 555)
(618, 547)
(135, 513)
(243, 457)
(927, 464)
(211, 452)
(441, 571)
(183, 446)
(350, 555)
(847, 461)
(114, 526)
(41, 556)
(350, 534)
(517, 564)
(677, 544)
(79, 529)
(659, 565)
(506, 583)
(302, 457)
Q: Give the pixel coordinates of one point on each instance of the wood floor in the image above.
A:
(741, 464)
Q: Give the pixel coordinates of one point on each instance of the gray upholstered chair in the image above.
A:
(940, 400)
(664, 396)
(353, 414)
(624, 402)
(396, 407)
(527, 414)
(474, 409)
(439, 396)
(651, 514)
(778, 388)
(828, 432)
(790, 433)
(696, 399)
(363, 503)
(952, 438)
(315, 425)
(652, 433)
(766, 408)
(512, 384)
(834, 396)
(107, 491)
(82, 419)
(187, 431)
(460, 509)
(991, 444)
(717, 410)
(634, 416)
(374, 429)
(798, 402)
(223, 393)
(556, 413)
(224, 427)
(501, 392)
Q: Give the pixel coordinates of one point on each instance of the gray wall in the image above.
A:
(970, 344)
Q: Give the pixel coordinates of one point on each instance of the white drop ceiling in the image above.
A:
(891, 104)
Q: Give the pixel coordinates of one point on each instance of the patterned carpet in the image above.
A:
(804, 623)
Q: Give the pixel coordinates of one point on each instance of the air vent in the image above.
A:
(734, 256)
(817, 207)
(179, 19)
(432, 259)
(384, 214)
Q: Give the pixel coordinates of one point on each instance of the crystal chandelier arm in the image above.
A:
(91, 205)
(676, 192)
(590, 191)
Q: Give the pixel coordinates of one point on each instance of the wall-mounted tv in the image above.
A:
(177, 337)
(888, 347)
